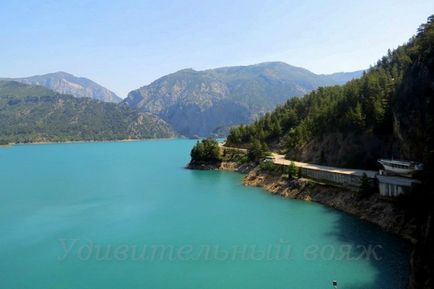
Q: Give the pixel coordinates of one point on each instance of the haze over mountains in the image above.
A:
(188, 102)
(66, 83)
(203, 103)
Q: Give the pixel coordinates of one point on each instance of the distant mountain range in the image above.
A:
(66, 83)
(203, 103)
(188, 103)
(343, 77)
(30, 113)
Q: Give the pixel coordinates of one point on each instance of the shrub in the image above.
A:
(292, 170)
(365, 188)
(274, 169)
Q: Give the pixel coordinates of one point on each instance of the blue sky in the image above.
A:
(127, 44)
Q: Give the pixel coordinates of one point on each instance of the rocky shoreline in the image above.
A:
(385, 213)
(373, 209)
(223, 166)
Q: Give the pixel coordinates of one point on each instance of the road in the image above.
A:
(280, 160)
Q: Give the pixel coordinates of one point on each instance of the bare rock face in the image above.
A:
(351, 150)
(66, 83)
(205, 103)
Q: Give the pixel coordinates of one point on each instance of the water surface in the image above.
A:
(79, 215)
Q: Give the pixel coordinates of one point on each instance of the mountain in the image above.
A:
(388, 112)
(343, 77)
(66, 83)
(30, 113)
(202, 103)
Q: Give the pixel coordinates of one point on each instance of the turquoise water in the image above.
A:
(128, 215)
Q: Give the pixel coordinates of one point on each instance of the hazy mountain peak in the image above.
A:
(66, 83)
(61, 73)
(274, 64)
(186, 70)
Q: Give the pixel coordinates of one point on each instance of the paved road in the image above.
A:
(232, 148)
(280, 160)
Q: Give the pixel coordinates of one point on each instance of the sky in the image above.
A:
(126, 44)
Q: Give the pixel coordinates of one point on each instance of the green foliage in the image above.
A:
(292, 170)
(242, 159)
(257, 151)
(207, 150)
(274, 169)
(31, 113)
(395, 94)
(366, 187)
(271, 168)
(356, 117)
(234, 155)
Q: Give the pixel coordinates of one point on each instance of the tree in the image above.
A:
(292, 170)
(356, 118)
(257, 151)
(365, 188)
(207, 150)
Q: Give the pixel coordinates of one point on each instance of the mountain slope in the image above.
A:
(31, 113)
(66, 83)
(198, 103)
(388, 112)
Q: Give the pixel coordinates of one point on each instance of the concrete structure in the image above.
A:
(401, 167)
(339, 176)
(391, 186)
(388, 186)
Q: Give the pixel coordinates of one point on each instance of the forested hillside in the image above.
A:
(388, 112)
(31, 113)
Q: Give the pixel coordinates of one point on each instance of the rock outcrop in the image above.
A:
(373, 208)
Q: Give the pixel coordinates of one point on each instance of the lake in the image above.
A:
(128, 215)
